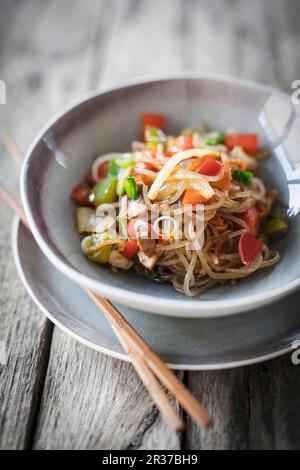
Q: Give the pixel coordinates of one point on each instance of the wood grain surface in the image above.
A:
(54, 392)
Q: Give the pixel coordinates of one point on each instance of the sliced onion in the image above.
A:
(240, 154)
(102, 159)
(86, 220)
(182, 174)
(203, 187)
(171, 164)
(105, 223)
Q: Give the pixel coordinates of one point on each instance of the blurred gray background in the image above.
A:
(54, 392)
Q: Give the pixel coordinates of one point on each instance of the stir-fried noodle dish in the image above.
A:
(189, 210)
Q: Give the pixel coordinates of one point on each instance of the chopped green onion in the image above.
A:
(244, 177)
(154, 136)
(275, 228)
(131, 187)
(122, 220)
(113, 169)
(215, 138)
(125, 163)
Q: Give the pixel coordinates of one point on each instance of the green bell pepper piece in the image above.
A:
(102, 255)
(275, 228)
(105, 191)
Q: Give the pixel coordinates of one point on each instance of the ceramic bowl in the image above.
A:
(108, 121)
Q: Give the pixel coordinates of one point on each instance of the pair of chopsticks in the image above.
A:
(152, 371)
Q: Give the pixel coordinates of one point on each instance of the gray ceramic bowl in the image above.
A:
(108, 121)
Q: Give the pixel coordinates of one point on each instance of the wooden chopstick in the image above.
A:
(142, 356)
(164, 374)
(150, 382)
(13, 204)
(12, 148)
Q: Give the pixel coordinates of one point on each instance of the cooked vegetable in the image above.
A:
(148, 246)
(210, 167)
(86, 220)
(130, 187)
(81, 194)
(125, 163)
(249, 142)
(224, 183)
(170, 165)
(152, 120)
(183, 142)
(102, 170)
(130, 249)
(251, 217)
(147, 261)
(139, 228)
(105, 191)
(275, 228)
(136, 207)
(154, 224)
(244, 177)
(249, 247)
(119, 261)
(102, 255)
(155, 136)
(113, 168)
(235, 162)
(192, 196)
(240, 154)
(123, 174)
(215, 138)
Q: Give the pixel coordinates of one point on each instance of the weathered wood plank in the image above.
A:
(92, 401)
(253, 408)
(23, 330)
(30, 76)
(226, 397)
(274, 405)
(113, 410)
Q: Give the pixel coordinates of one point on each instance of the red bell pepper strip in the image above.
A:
(130, 249)
(251, 217)
(249, 247)
(210, 167)
(249, 142)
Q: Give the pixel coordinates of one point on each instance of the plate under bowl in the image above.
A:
(109, 121)
(195, 344)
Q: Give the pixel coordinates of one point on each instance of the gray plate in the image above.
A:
(183, 343)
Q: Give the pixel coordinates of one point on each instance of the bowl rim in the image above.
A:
(171, 307)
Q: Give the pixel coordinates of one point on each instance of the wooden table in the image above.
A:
(55, 392)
